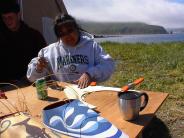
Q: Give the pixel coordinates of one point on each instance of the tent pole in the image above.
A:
(21, 9)
(61, 7)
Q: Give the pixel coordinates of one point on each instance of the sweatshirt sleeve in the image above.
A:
(104, 65)
(32, 74)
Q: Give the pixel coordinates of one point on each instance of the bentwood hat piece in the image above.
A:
(75, 119)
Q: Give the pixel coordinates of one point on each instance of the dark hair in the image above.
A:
(63, 19)
(6, 7)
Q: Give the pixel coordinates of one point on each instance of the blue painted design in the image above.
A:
(75, 119)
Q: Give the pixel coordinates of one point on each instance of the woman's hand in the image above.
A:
(84, 80)
(41, 64)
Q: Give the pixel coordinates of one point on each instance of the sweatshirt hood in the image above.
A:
(85, 37)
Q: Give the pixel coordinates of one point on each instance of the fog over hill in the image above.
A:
(118, 28)
(175, 30)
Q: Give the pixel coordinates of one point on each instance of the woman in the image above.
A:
(76, 57)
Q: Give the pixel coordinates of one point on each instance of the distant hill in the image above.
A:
(109, 28)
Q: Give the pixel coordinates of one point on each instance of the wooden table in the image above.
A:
(106, 102)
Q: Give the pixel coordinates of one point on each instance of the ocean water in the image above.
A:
(146, 38)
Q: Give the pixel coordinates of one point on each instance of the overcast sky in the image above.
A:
(167, 13)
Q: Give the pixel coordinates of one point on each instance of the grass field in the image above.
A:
(162, 66)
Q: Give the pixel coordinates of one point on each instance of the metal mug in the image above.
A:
(130, 103)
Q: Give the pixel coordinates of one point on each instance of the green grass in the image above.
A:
(162, 66)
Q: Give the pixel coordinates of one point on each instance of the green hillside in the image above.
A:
(110, 28)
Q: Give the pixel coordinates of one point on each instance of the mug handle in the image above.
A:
(145, 100)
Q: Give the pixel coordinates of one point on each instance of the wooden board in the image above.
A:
(22, 126)
(106, 102)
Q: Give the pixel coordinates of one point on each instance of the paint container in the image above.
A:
(41, 88)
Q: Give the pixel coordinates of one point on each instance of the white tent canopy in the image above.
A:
(39, 14)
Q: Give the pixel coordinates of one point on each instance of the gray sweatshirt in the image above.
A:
(67, 63)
